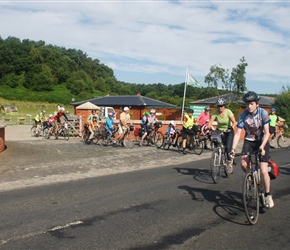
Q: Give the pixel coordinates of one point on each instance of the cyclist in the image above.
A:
(226, 122)
(110, 125)
(274, 120)
(93, 126)
(39, 119)
(188, 122)
(58, 118)
(152, 117)
(125, 119)
(205, 132)
(204, 116)
(145, 125)
(171, 132)
(255, 121)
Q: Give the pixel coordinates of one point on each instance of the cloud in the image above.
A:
(162, 38)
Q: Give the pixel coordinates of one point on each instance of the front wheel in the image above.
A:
(158, 139)
(128, 142)
(179, 142)
(284, 141)
(251, 198)
(215, 165)
(33, 130)
(197, 146)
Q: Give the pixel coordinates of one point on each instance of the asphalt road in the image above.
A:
(169, 206)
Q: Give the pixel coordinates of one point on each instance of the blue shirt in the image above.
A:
(253, 123)
(109, 123)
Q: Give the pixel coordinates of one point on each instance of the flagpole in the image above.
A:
(185, 84)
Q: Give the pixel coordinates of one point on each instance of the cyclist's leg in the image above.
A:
(109, 132)
(248, 147)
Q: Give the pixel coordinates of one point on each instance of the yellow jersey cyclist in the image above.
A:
(226, 121)
(188, 122)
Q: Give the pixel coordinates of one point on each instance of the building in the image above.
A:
(138, 105)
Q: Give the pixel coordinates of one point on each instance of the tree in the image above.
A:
(238, 79)
(217, 76)
(282, 103)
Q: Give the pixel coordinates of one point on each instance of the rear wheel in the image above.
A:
(284, 141)
(215, 166)
(46, 133)
(251, 198)
(158, 139)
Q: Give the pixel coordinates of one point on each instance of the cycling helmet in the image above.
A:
(273, 109)
(50, 115)
(173, 123)
(251, 97)
(152, 111)
(62, 109)
(43, 111)
(94, 117)
(221, 102)
(206, 108)
(110, 114)
(190, 111)
(207, 120)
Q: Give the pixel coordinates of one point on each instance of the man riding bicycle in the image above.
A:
(255, 121)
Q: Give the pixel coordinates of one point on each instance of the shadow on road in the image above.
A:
(227, 205)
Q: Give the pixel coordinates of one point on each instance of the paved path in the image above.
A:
(32, 161)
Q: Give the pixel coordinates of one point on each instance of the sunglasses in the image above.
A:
(220, 106)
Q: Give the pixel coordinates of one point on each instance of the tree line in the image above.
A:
(36, 71)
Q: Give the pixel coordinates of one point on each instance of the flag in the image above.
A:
(193, 82)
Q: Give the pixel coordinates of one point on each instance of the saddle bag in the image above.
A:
(273, 169)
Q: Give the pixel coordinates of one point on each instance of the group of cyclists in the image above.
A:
(254, 119)
(51, 122)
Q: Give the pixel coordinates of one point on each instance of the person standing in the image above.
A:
(255, 121)
(145, 125)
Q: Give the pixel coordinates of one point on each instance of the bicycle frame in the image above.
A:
(253, 191)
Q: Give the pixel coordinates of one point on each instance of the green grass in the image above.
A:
(29, 110)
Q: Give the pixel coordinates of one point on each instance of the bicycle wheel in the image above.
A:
(197, 146)
(158, 139)
(128, 142)
(179, 143)
(167, 143)
(46, 133)
(103, 139)
(284, 141)
(33, 130)
(65, 134)
(251, 198)
(215, 165)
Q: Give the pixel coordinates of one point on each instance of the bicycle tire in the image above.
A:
(158, 139)
(215, 166)
(128, 142)
(283, 141)
(33, 130)
(65, 134)
(179, 142)
(197, 146)
(45, 133)
(167, 143)
(224, 164)
(103, 139)
(251, 198)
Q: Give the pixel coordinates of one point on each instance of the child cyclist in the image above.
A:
(171, 132)
(110, 125)
(255, 121)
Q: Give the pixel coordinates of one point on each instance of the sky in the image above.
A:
(157, 41)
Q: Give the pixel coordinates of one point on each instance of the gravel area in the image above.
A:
(32, 161)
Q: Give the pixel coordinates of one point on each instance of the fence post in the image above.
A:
(81, 126)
